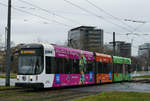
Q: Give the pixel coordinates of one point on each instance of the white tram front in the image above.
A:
(31, 67)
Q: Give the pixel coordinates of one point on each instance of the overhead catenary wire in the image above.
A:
(141, 25)
(116, 18)
(49, 12)
(134, 34)
(72, 13)
(45, 10)
(100, 17)
(46, 18)
(136, 21)
(112, 33)
(130, 28)
(41, 17)
(131, 31)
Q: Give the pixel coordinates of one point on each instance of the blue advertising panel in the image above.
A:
(109, 75)
(57, 78)
(90, 76)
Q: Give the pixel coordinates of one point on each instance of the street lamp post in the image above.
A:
(8, 63)
(114, 51)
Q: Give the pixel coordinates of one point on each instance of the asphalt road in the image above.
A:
(127, 86)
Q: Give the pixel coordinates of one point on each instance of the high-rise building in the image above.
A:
(144, 50)
(122, 49)
(86, 38)
(144, 54)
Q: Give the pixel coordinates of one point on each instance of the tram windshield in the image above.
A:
(30, 65)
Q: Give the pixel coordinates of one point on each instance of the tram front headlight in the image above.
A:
(18, 77)
(31, 77)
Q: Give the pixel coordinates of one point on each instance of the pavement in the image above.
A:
(140, 73)
(12, 81)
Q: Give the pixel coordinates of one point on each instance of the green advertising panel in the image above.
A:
(121, 77)
(121, 60)
(118, 77)
(117, 60)
(127, 76)
(127, 61)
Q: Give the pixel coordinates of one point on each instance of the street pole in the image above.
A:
(8, 63)
(114, 51)
(6, 30)
(114, 44)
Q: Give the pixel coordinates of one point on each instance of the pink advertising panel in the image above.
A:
(72, 79)
(63, 52)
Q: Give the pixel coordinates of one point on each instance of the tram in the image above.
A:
(47, 66)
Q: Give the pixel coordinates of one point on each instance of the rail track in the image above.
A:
(42, 95)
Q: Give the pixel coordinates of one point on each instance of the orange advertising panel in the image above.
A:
(103, 78)
(103, 58)
(27, 52)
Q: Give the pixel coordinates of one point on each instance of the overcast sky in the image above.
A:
(57, 17)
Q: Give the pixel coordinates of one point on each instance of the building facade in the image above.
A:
(122, 49)
(144, 50)
(86, 38)
(144, 54)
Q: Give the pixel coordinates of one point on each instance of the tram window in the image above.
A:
(100, 67)
(67, 66)
(75, 69)
(109, 67)
(120, 68)
(115, 68)
(129, 69)
(48, 65)
(89, 66)
(71, 65)
(53, 65)
(104, 67)
(60, 65)
(126, 68)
